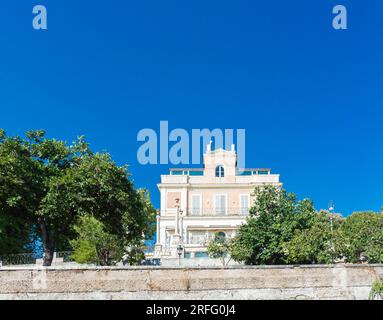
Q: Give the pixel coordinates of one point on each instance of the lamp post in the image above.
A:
(180, 250)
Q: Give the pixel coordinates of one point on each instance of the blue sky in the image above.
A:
(309, 97)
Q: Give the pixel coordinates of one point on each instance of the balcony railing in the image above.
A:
(186, 172)
(154, 251)
(65, 255)
(18, 259)
(217, 211)
(196, 212)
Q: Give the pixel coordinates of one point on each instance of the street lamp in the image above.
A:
(180, 250)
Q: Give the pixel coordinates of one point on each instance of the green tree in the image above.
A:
(16, 235)
(94, 245)
(134, 254)
(219, 248)
(316, 243)
(21, 189)
(273, 219)
(361, 237)
(149, 211)
(48, 184)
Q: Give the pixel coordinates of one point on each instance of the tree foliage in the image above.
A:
(94, 244)
(274, 218)
(360, 238)
(16, 235)
(281, 230)
(219, 248)
(47, 184)
(316, 243)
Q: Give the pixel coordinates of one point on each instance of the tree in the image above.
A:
(21, 188)
(149, 211)
(135, 251)
(134, 255)
(48, 184)
(94, 245)
(219, 248)
(360, 238)
(274, 218)
(316, 243)
(16, 236)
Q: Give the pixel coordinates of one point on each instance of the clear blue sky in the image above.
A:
(309, 97)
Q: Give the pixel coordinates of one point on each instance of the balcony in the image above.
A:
(187, 172)
(209, 212)
(195, 212)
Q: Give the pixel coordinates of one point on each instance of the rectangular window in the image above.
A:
(196, 205)
(245, 204)
(197, 237)
(220, 204)
(201, 255)
(245, 173)
(195, 173)
(187, 255)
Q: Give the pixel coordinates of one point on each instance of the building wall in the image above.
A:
(181, 184)
(233, 197)
(237, 282)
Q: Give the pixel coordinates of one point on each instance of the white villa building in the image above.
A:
(198, 203)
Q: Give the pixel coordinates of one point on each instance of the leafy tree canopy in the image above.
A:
(360, 238)
(274, 218)
(48, 184)
(94, 245)
(219, 248)
(316, 243)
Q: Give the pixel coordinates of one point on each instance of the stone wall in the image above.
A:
(244, 282)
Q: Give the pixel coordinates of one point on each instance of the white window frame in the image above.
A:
(191, 204)
(240, 204)
(220, 171)
(215, 204)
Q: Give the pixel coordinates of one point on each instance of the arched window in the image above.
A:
(219, 172)
(220, 236)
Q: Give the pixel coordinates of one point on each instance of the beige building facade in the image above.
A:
(196, 204)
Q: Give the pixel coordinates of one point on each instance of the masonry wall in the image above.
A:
(284, 282)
